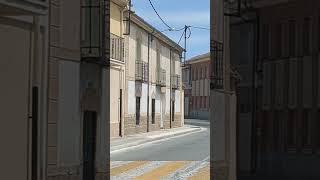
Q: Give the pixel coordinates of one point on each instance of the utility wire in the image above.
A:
(159, 15)
(181, 37)
(197, 27)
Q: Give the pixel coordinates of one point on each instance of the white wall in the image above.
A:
(164, 63)
(177, 107)
(69, 124)
(14, 72)
(114, 96)
(131, 97)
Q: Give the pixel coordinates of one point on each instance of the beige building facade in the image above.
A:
(153, 73)
(117, 65)
(55, 98)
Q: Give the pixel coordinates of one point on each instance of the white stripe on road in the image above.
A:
(139, 170)
(189, 170)
(118, 163)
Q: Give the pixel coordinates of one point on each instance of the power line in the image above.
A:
(159, 15)
(197, 27)
(181, 37)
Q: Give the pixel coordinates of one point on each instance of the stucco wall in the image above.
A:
(114, 96)
(69, 123)
(14, 73)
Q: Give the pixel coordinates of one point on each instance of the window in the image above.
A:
(305, 128)
(306, 36)
(137, 110)
(318, 132)
(319, 32)
(292, 38)
(279, 40)
(153, 111)
(203, 102)
(265, 41)
(276, 130)
(138, 46)
(194, 74)
(205, 72)
(90, 29)
(291, 124)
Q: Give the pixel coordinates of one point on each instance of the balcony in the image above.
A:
(217, 78)
(175, 81)
(23, 7)
(161, 77)
(141, 71)
(116, 48)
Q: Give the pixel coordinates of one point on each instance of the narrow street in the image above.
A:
(181, 157)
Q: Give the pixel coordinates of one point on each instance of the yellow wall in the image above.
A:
(115, 19)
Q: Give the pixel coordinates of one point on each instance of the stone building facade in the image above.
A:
(153, 72)
(279, 56)
(196, 81)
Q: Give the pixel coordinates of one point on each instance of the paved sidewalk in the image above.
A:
(197, 122)
(118, 144)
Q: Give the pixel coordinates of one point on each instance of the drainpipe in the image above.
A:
(36, 100)
(170, 92)
(148, 82)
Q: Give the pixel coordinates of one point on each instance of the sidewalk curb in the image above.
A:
(141, 142)
(197, 123)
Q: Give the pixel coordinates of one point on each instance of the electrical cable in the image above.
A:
(159, 15)
(197, 27)
(181, 37)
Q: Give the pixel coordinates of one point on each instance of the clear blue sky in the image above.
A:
(177, 13)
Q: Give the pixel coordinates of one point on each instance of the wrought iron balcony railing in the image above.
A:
(175, 81)
(217, 78)
(141, 71)
(161, 77)
(27, 7)
(116, 47)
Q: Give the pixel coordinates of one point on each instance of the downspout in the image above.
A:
(170, 91)
(123, 77)
(148, 82)
(36, 101)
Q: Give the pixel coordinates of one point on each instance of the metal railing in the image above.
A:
(217, 78)
(175, 81)
(116, 47)
(141, 71)
(161, 77)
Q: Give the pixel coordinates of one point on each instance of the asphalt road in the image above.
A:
(190, 147)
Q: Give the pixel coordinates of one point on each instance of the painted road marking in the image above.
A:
(126, 167)
(202, 174)
(162, 170)
(131, 174)
(156, 170)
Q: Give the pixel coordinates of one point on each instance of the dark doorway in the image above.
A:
(153, 111)
(89, 144)
(172, 111)
(34, 165)
(137, 110)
